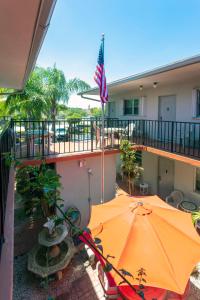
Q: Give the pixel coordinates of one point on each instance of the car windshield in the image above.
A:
(60, 129)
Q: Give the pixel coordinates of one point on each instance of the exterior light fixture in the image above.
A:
(141, 87)
(155, 85)
(82, 163)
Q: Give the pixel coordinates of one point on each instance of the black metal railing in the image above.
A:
(6, 141)
(4, 120)
(42, 138)
(176, 137)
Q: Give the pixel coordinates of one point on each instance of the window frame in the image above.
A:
(195, 181)
(197, 94)
(133, 107)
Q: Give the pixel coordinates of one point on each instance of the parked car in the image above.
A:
(61, 134)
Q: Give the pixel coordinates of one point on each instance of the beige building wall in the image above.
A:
(74, 180)
(150, 165)
(184, 176)
(182, 90)
(185, 180)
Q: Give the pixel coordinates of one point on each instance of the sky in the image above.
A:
(139, 35)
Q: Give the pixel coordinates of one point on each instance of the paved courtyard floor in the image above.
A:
(80, 280)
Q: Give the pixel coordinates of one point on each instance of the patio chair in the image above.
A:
(176, 197)
(129, 129)
(110, 292)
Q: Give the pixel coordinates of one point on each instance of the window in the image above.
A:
(131, 107)
(197, 183)
(198, 102)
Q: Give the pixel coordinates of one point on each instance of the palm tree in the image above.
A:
(31, 103)
(44, 91)
(58, 90)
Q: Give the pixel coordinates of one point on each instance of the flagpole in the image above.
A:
(102, 145)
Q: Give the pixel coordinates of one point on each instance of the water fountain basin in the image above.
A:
(45, 239)
(37, 265)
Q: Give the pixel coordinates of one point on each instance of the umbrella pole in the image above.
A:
(102, 157)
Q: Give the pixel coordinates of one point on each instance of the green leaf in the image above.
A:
(122, 282)
(125, 273)
(141, 294)
(110, 256)
(108, 267)
(97, 241)
(100, 247)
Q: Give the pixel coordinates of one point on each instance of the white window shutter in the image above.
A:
(194, 103)
(143, 105)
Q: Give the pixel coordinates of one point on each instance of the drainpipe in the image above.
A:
(88, 98)
(89, 171)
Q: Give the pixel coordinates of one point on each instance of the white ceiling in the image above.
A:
(21, 35)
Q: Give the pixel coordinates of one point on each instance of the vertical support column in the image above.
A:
(172, 136)
(92, 134)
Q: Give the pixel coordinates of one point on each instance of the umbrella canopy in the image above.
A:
(146, 233)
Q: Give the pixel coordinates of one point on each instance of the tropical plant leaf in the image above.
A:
(125, 273)
(97, 241)
(141, 294)
(141, 286)
(108, 267)
(110, 256)
(100, 247)
(121, 282)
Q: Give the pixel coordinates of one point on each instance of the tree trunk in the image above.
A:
(45, 208)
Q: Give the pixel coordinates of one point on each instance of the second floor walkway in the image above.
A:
(33, 139)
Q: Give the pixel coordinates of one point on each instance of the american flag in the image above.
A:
(99, 76)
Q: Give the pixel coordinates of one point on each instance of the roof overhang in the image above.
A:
(23, 26)
(170, 74)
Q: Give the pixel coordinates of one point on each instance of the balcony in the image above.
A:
(33, 139)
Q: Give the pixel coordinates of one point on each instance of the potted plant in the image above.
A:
(196, 220)
(129, 166)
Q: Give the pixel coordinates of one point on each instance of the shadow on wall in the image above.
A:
(76, 187)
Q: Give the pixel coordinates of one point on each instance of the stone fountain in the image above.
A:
(53, 252)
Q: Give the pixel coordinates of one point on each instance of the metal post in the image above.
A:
(92, 134)
(172, 136)
(102, 157)
(102, 144)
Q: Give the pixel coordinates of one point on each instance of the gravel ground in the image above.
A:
(194, 288)
(28, 287)
(75, 278)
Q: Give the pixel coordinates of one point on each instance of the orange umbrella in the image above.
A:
(145, 232)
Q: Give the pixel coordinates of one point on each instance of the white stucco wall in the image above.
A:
(184, 176)
(150, 174)
(184, 180)
(182, 90)
(75, 182)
